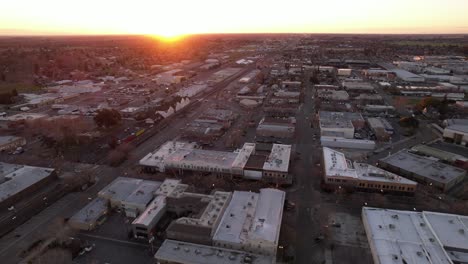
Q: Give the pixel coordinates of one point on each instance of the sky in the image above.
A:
(177, 17)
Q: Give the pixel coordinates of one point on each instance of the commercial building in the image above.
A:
(129, 194)
(154, 161)
(144, 225)
(276, 127)
(339, 124)
(8, 143)
(177, 252)
(424, 170)
(333, 95)
(276, 167)
(179, 157)
(206, 212)
(380, 109)
(456, 131)
(347, 143)
(443, 155)
(343, 173)
(353, 86)
(252, 222)
(90, 216)
(415, 237)
(17, 181)
(407, 76)
(381, 128)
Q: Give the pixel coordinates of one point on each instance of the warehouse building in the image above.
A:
(8, 143)
(252, 222)
(340, 124)
(172, 251)
(17, 181)
(423, 170)
(339, 172)
(415, 237)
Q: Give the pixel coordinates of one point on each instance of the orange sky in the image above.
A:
(175, 17)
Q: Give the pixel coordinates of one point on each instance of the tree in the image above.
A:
(409, 122)
(107, 117)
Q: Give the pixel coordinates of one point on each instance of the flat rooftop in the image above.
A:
(154, 209)
(279, 158)
(143, 194)
(423, 166)
(252, 217)
(357, 85)
(17, 178)
(416, 237)
(338, 119)
(213, 211)
(200, 157)
(336, 165)
(157, 157)
(91, 212)
(188, 253)
(243, 155)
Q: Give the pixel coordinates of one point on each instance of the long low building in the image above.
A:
(416, 237)
(343, 173)
(172, 251)
(16, 181)
(423, 169)
(181, 157)
(347, 143)
(276, 127)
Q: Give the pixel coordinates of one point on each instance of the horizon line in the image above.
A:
(225, 33)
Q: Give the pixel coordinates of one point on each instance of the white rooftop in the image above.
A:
(278, 160)
(336, 165)
(187, 253)
(416, 237)
(243, 155)
(167, 187)
(157, 157)
(143, 194)
(153, 210)
(252, 217)
(217, 202)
